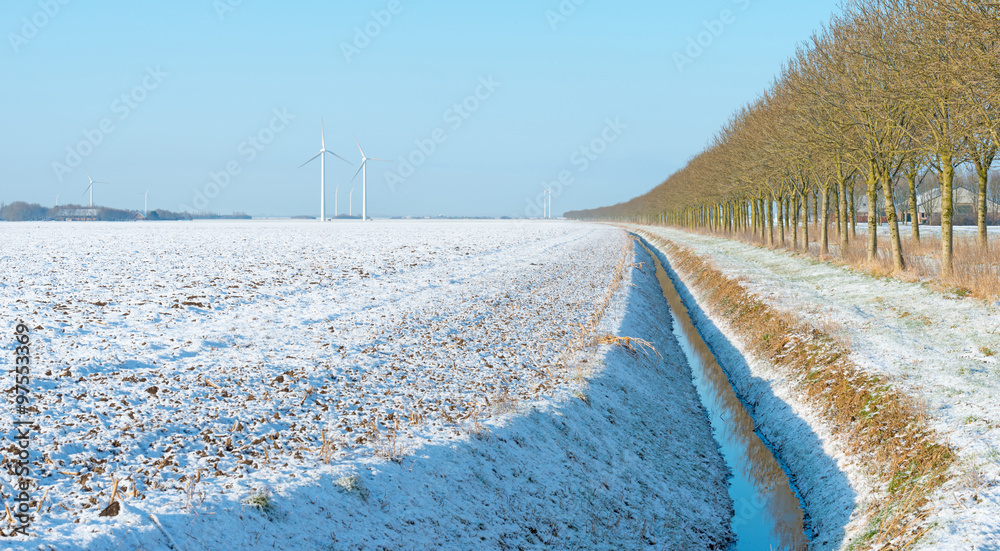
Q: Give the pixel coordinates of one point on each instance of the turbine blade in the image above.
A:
(339, 157)
(358, 172)
(88, 174)
(311, 159)
(322, 129)
(359, 148)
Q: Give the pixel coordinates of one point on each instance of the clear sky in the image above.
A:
(214, 104)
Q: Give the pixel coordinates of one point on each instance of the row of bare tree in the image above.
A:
(889, 90)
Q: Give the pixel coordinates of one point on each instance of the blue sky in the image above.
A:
(214, 104)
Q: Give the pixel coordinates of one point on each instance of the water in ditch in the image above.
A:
(769, 515)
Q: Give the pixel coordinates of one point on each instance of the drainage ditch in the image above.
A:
(769, 513)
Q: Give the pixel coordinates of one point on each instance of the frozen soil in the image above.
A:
(940, 348)
(392, 385)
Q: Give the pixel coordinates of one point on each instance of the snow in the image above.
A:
(204, 364)
(937, 347)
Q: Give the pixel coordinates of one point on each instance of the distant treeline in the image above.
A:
(33, 212)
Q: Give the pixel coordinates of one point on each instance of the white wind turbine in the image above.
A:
(336, 202)
(323, 152)
(90, 188)
(145, 204)
(351, 207)
(363, 169)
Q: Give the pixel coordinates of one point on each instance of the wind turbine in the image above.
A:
(363, 169)
(145, 204)
(351, 207)
(57, 199)
(336, 202)
(90, 188)
(322, 170)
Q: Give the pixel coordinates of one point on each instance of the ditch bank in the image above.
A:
(859, 451)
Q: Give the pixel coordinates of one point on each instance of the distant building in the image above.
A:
(929, 208)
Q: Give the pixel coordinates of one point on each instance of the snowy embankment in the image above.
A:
(938, 348)
(393, 385)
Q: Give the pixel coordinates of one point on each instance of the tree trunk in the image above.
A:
(911, 180)
(816, 209)
(845, 214)
(770, 221)
(872, 215)
(761, 223)
(793, 201)
(805, 222)
(898, 264)
(837, 212)
(781, 218)
(984, 178)
(947, 214)
(824, 229)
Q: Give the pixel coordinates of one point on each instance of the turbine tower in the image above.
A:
(90, 188)
(336, 202)
(145, 204)
(363, 169)
(351, 211)
(323, 152)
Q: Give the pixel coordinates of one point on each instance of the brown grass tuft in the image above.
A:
(634, 346)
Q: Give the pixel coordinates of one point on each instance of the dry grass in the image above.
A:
(388, 447)
(976, 268)
(632, 345)
(864, 409)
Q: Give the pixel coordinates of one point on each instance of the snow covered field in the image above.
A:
(942, 349)
(394, 385)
